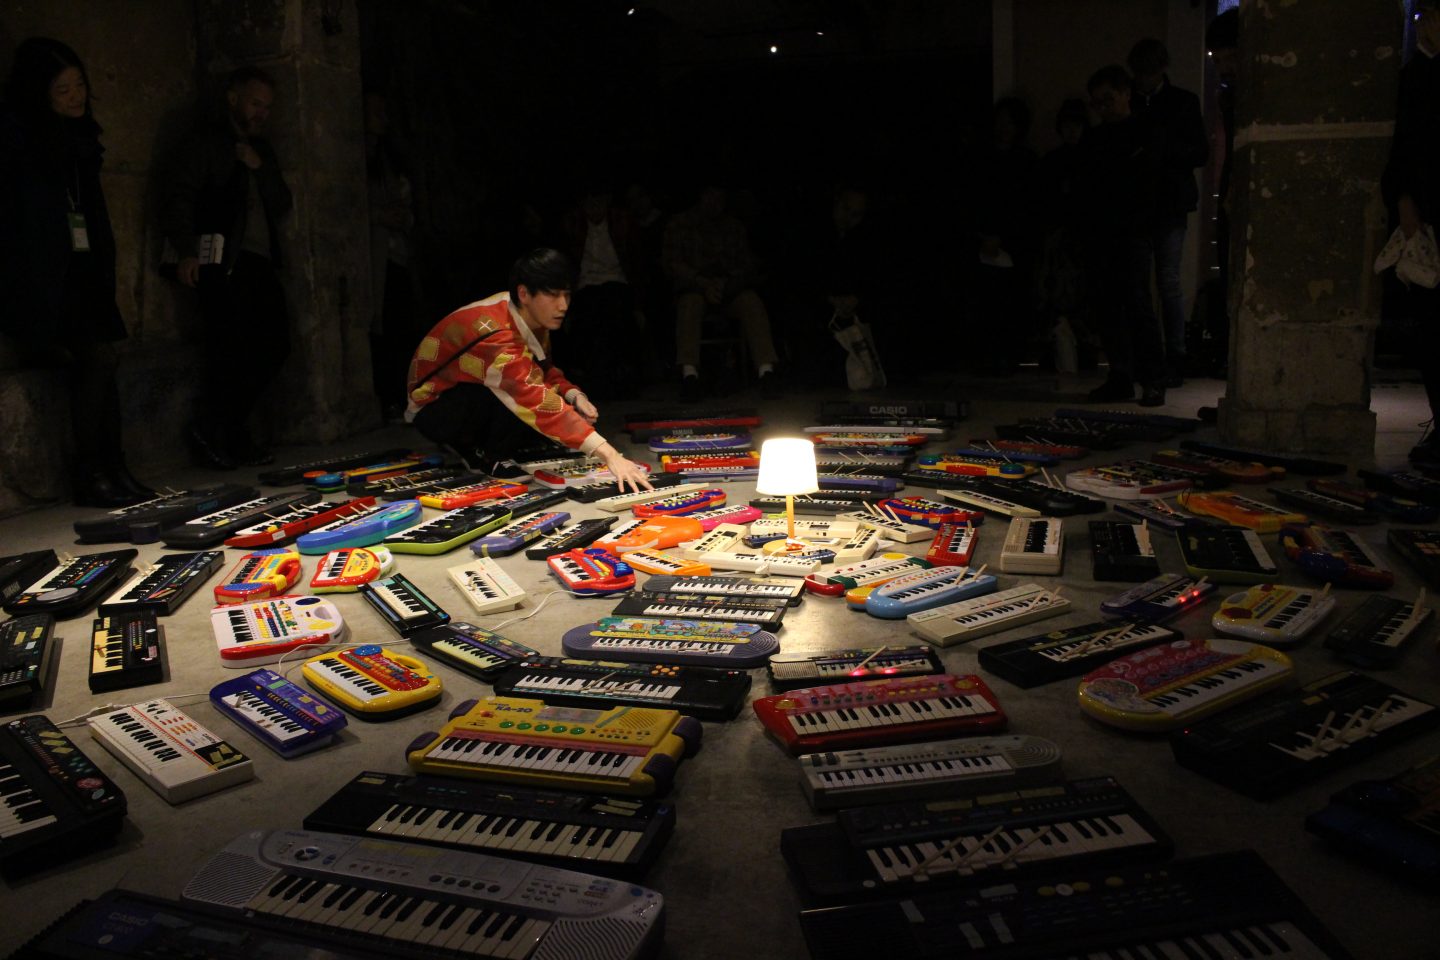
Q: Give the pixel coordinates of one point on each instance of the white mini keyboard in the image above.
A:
(487, 586)
(177, 757)
(968, 619)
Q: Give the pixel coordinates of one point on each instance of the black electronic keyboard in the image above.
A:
(413, 479)
(126, 650)
(1226, 555)
(1420, 549)
(1049, 501)
(577, 536)
(73, 585)
(19, 571)
(165, 584)
(706, 693)
(295, 472)
(1291, 464)
(786, 589)
(1122, 551)
(1070, 651)
(27, 645)
(590, 492)
(471, 649)
(897, 848)
(789, 671)
(142, 522)
(1269, 746)
(767, 613)
(1090, 434)
(403, 605)
(1392, 823)
(1374, 633)
(54, 803)
(212, 528)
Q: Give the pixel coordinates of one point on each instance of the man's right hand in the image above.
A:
(187, 271)
(628, 474)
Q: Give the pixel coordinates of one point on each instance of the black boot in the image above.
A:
(206, 449)
(95, 488)
(120, 473)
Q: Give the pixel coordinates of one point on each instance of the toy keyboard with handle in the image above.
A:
(1320, 505)
(593, 571)
(978, 616)
(1271, 746)
(612, 836)
(403, 605)
(1334, 556)
(403, 900)
(748, 588)
(965, 767)
(73, 585)
(174, 755)
(212, 529)
(924, 589)
(517, 533)
(706, 693)
(280, 527)
(899, 848)
(142, 522)
(1070, 651)
(1171, 685)
(344, 570)
(685, 642)
(928, 513)
(471, 649)
(880, 712)
(488, 587)
(1226, 555)
(1121, 551)
(361, 529)
(1272, 613)
(1375, 633)
(1033, 545)
(1239, 511)
(126, 650)
(448, 531)
(276, 712)
(165, 584)
(764, 612)
(258, 575)
(1389, 823)
(953, 545)
(27, 644)
(633, 751)
(577, 536)
(1159, 598)
(263, 631)
(866, 573)
(837, 666)
(471, 494)
(1419, 548)
(373, 683)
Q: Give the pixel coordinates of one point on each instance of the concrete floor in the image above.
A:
(723, 878)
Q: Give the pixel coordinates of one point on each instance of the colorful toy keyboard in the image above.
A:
(279, 527)
(577, 536)
(488, 588)
(686, 642)
(73, 585)
(869, 663)
(867, 573)
(361, 529)
(1227, 555)
(263, 631)
(924, 589)
(27, 645)
(593, 571)
(681, 504)
(344, 570)
(175, 756)
(1238, 510)
(747, 588)
(472, 649)
(1159, 598)
(329, 481)
(403, 605)
(764, 612)
(449, 530)
(212, 529)
(261, 574)
(483, 491)
(165, 584)
(658, 532)
(632, 751)
(1375, 633)
(953, 546)
(1272, 613)
(1070, 651)
(928, 513)
(706, 693)
(517, 533)
(372, 682)
(126, 650)
(278, 713)
(966, 620)
(880, 712)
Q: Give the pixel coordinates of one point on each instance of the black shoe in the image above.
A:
(770, 386)
(122, 477)
(98, 490)
(205, 451)
(1111, 391)
(689, 389)
(1152, 395)
(506, 470)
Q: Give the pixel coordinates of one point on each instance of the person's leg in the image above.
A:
(689, 311)
(257, 357)
(1427, 358)
(1109, 275)
(1169, 250)
(1147, 349)
(749, 311)
(459, 418)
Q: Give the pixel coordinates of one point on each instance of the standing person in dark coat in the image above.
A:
(1412, 190)
(57, 256)
(221, 217)
(1175, 129)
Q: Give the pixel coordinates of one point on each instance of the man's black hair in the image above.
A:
(1114, 76)
(1148, 57)
(1224, 31)
(542, 270)
(240, 76)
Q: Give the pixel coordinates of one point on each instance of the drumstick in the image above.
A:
(861, 664)
(959, 838)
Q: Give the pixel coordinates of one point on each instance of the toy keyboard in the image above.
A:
(866, 461)
(990, 502)
(577, 536)
(870, 663)
(142, 522)
(1159, 514)
(1273, 614)
(958, 463)
(1052, 431)
(592, 492)
(518, 533)
(261, 574)
(1397, 509)
(1133, 480)
(928, 513)
(805, 529)
(278, 713)
(295, 472)
(700, 442)
(685, 642)
(680, 504)
(1033, 545)
(1320, 505)
(642, 425)
(344, 570)
(867, 481)
(488, 588)
(740, 588)
(1159, 598)
(20, 570)
(403, 605)
(1408, 484)
(263, 631)
(1389, 823)
(126, 650)
(891, 528)
(953, 546)
(1070, 651)
(1057, 451)
(532, 501)
(632, 751)
(764, 612)
(407, 486)
(279, 527)
(165, 584)
(1168, 686)
(175, 756)
(1235, 471)
(658, 562)
(468, 495)
(1334, 556)
(27, 644)
(361, 529)
(449, 530)
(978, 616)
(612, 836)
(1269, 747)
(737, 557)
(723, 539)
(1239, 511)
(73, 585)
(1052, 501)
(827, 506)
(867, 573)
(924, 589)
(593, 571)
(578, 473)
(859, 546)
(1375, 633)
(471, 649)
(917, 771)
(711, 517)
(212, 529)
(328, 481)
(1132, 418)
(1121, 551)
(706, 693)
(619, 502)
(660, 533)
(900, 848)
(876, 713)
(372, 682)
(1226, 554)
(1419, 548)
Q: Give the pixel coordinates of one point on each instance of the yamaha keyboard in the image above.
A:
(281, 527)
(163, 585)
(361, 529)
(54, 802)
(766, 613)
(979, 616)
(1375, 633)
(373, 683)
(141, 522)
(1228, 906)
(611, 836)
(488, 587)
(1070, 651)
(1121, 551)
(174, 755)
(880, 712)
(966, 767)
(448, 531)
(263, 631)
(686, 642)
(835, 666)
(126, 650)
(627, 750)
(277, 713)
(471, 649)
(213, 528)
(403, 605)
(27, 646)
(901, 848)
(73, 585)
(421, 902)
(706, 693)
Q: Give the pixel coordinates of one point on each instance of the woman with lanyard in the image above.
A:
(57, 257)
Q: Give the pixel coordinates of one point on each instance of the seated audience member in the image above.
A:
(601, 336)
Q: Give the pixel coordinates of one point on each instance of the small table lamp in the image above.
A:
(787, 467)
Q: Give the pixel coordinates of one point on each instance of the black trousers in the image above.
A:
(469, 418)
(247, 338)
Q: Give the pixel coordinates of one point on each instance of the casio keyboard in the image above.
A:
(27, 647)
(126, 650)
(402, 604)
(1033, 545)
(73, 585)
(282, 526)
(966, 767)
(1272, 746)
(1170, 685)
(784, 589)
(488, 587)
(373, 683)
(1121, 551)
(686, 642)
(162, 586)
(1226, 554)
(471, 649)
(279, 714)
(421, 902)
(978, 616)
(1159, 598)
(1277, 615)
(880, 712)
(870, 663)
(263, 631)
(1375, 633)
(54, 802)
(344, 570)
(611, 836)
(141, 522)
(174, 755)
(213, 528)
(1070, 651)
(899, 848)
(924, 589)
(632, 751)
(448, 531)
(706, 693)
(766, 613)
(580, 534)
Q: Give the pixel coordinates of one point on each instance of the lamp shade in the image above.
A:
(787, 467)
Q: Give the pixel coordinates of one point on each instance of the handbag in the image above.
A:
(862, 362)
(1415, 259)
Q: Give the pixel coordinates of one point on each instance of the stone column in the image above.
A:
(312, 47)
(1315, 105)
